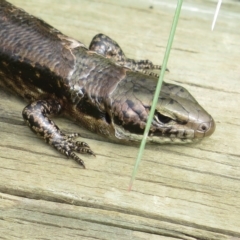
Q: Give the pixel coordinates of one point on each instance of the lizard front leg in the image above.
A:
(107, 47)
(36, 116)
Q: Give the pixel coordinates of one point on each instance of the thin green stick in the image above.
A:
(157, 92)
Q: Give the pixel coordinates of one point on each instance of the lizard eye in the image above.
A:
(161, 118)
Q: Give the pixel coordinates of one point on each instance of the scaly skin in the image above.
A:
(98, 87)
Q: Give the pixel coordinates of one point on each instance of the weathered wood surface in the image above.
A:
(181, 192)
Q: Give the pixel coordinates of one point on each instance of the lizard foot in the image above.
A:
(66, 145)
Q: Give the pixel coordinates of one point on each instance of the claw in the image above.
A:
(82, 144)
(73, 135)
(66, 145)
(77, 159)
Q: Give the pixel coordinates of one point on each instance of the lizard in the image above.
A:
(98, 87)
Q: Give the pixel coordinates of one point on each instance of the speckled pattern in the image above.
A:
(107, 47)
(35, 115)
(98, 87)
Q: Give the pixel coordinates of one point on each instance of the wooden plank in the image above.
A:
(181, 192)
(63, 221)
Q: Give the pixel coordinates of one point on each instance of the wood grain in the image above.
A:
(181, 192)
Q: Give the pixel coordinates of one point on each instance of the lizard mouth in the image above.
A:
(165, 130)
(124, 135)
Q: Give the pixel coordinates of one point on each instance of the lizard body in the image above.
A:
(98, 87)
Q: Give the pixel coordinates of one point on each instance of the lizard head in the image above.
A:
(178, 117)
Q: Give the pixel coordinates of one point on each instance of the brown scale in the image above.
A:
(98, 87)
(107, 47)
